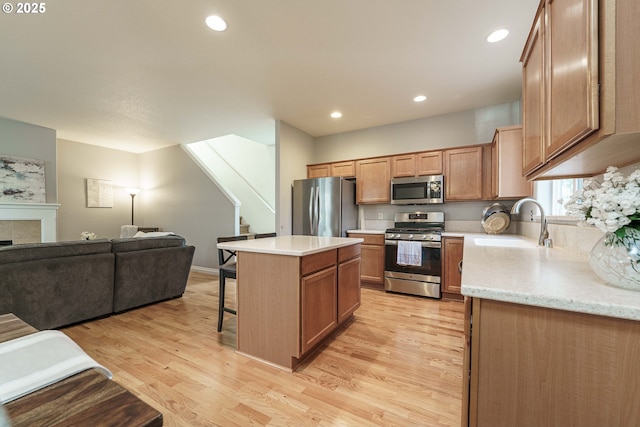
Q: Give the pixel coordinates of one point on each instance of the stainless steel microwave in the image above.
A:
(421, 190)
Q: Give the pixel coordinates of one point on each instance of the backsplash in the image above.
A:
(570, 237)
(567, 236)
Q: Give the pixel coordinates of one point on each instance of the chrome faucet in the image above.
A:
(543, 239)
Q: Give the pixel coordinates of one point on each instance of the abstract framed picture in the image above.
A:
(22, 180)
(99, 193)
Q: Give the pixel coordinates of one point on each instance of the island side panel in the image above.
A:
(268, 307)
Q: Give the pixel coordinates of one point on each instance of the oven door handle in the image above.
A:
(423, 244)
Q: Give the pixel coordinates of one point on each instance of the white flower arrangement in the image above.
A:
(87, 235)
(611, 205)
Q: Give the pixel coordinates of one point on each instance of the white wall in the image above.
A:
(20, 139)
(246, 171)
(76, 163)
(294, 150)
(449, 130)
(177, 196)
(463, 128)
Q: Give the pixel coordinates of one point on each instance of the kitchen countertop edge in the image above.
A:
(290, 245)
(525, 273)
(365, 231)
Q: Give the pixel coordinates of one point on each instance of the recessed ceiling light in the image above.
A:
(216, 23)
(420, 98)
(336, 114)
(497, 35)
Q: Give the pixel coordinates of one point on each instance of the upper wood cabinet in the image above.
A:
(416, 164)
(373, 180)
(507, 181)
(319, 171)
(463, 168)
(345, 169)
(429, 163)
(533, 97)
(403, 165)
(581, 109)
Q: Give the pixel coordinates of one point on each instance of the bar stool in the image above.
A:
(263, 235)
(227, 269)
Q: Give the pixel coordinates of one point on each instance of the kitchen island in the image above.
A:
(293, 292)
(547, 342)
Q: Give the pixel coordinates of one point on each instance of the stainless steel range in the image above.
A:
(412, 254)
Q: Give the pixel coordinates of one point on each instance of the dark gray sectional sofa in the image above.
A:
(50, 285)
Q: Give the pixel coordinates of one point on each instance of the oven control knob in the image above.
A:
(410, 236)
(425, 237)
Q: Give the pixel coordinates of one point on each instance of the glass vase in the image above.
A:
(616, 258)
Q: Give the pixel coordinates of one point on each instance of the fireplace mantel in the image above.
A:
(46, 213)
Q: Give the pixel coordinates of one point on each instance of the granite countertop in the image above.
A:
(290, 245)
(513, 268)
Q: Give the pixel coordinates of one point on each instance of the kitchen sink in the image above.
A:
(505, 242)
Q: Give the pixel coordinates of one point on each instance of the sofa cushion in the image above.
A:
(39, 251)
(142, 243)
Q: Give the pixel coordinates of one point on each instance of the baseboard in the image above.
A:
(205, 270)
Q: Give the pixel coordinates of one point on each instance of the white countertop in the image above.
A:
(366, 231)
(290, 245)
(514, 268)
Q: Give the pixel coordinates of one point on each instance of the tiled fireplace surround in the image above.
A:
(28, 222)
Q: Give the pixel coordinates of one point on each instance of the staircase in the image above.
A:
(245, 171)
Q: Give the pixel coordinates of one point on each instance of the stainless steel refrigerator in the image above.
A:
(324, 207)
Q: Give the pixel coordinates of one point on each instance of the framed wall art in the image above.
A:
(22, 180)
(99, 193)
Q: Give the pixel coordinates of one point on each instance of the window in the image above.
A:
(549, 192)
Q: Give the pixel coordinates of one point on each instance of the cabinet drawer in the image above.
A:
(369, 239)
(348, 252)
(316, 262)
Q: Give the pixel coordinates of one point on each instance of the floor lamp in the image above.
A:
(132, 192)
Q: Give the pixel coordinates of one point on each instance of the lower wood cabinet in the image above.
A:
(287, 305)
(328, 296)
(536, 366)
(319, 306)
(452, 248)
(348, 288)
(372, 260)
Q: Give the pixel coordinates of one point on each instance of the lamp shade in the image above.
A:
(133, 191)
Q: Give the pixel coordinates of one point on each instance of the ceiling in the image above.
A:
(145, 74)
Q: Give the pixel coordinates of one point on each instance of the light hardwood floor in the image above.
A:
(398, 363)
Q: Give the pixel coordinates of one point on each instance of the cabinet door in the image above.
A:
(452, 248)
(533, 98)
(344, 169)
(429, 163)
(372, 264)
(572, 37)
(373, 180)
(348, 288)
(318, 171)
(403, 165)
(318, 306)
(507, 181)
(463, 173)
(371, 258)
